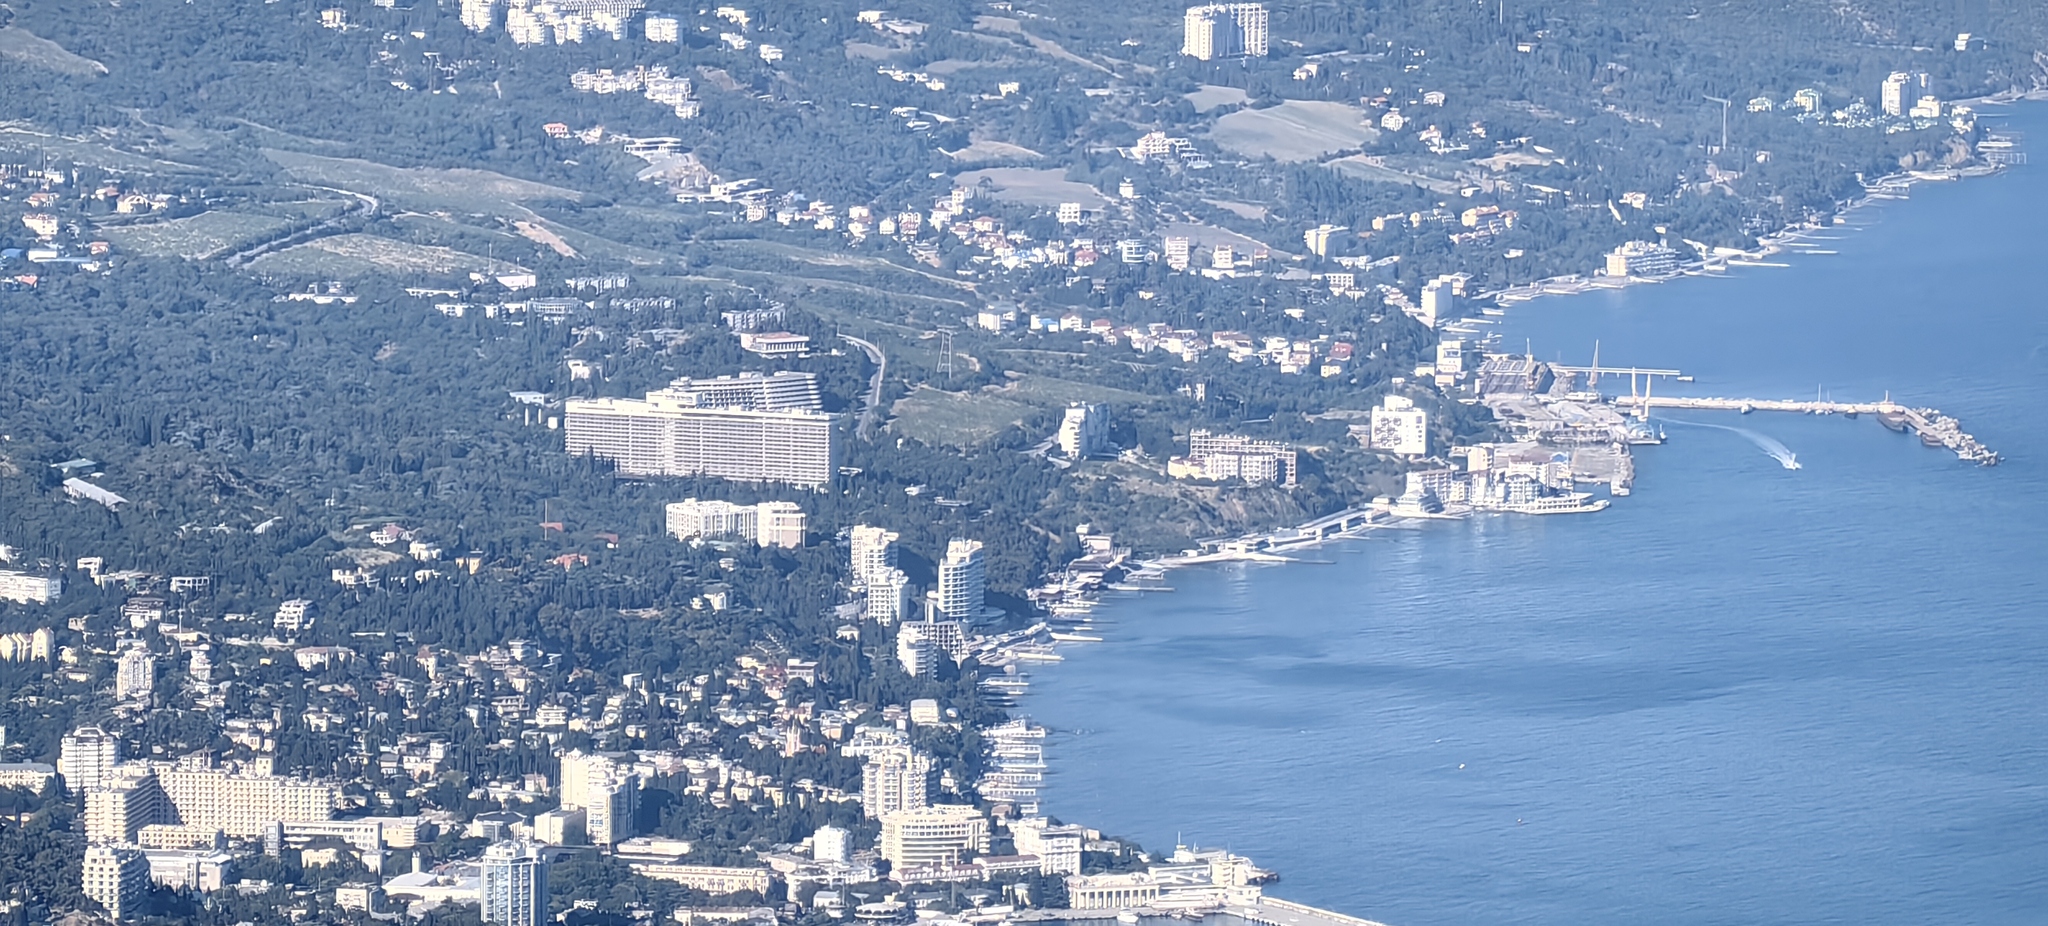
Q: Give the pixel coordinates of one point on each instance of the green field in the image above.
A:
(470, 192)
(196, 237)
(349, 256)
(956, 419)
(1297, 130)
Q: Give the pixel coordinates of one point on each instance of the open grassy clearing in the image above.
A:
(1051, 392)
(195, 237)
(21, 45)
(1297, 130)
(1211, 97)
(350, 256)
(1033, 187)
(956, 419)
(1364, 167)
(426, 189)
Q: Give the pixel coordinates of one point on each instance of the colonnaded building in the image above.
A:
(750, 428)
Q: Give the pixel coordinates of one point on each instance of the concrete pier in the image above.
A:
(1930, 424)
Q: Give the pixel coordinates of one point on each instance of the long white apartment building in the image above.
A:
(1233, 456)
(786, 390)
(24, 587)
(673, 432)
(241, 804)
(769, 524)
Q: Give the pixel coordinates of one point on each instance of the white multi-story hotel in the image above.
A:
(87, 756)
(135, 674)
(16, 585)
(888, 597)
(1399, 427)
(116, 877)
(240, 804)
(663, 29)
(962, 580)
(782, 391)
(769, 524)
(1083, 431)
(1225, 30)
(1901, 90)
(941, 835)
(681, 431)
(514, 884)
(895, 778)
(1232, 456)
(874, 553)
(128, 800)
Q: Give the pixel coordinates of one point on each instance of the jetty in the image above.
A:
(1933, 428)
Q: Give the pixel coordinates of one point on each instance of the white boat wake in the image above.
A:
(1763, 442)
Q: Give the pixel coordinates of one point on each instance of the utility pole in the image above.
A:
(1724, 121)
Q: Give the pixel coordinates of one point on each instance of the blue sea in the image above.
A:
(1745, 694)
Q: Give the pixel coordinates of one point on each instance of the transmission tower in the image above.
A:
(945, 354)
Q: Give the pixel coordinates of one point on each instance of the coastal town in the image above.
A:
(688, 583)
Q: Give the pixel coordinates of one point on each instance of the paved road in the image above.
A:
(366, 207)
(871, 414)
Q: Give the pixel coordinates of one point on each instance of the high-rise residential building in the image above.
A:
(476, 15)
(920, 644)
(769, 524)
(1084, 431)
(608, 817)
(671, 433)
(515, 884)
(874, 553)
(1440, 299)
(125, 802)
(1317, 239)
(25, 587)
(1178, 250)
(664, 29)
(888, 597)
(831, 844)
(608, 796)
(85, 757)
(135, 674)
(1901, 90)
(1399, 427)
(1225, 30)
(117, 878)
(937, 835)
(895, 778)
(241, 804)
(962, 580)
(916, 651)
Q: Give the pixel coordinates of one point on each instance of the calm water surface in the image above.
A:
(1743, 695)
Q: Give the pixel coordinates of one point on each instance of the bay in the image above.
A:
(1745, 694)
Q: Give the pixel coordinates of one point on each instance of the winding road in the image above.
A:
(870, 414)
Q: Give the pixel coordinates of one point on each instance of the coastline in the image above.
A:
(1269, 546)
